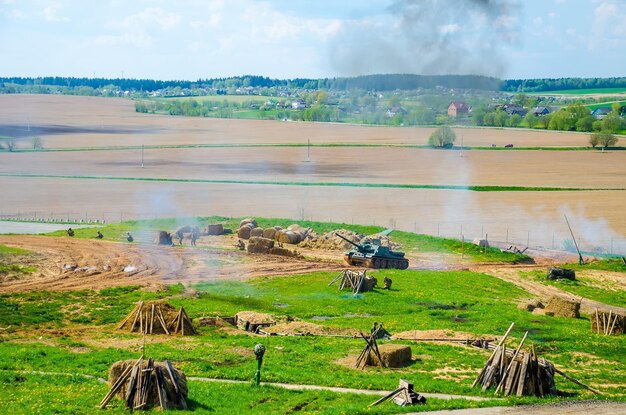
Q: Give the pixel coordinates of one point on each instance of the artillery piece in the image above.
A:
(373, 255)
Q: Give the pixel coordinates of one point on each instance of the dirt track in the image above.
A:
(101, 264)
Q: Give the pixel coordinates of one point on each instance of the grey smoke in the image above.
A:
(430, 37)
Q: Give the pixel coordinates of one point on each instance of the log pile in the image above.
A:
(403, 396)
(157, 317)
(519, 373)
(144, 384)
(608, 323)
(355, 281)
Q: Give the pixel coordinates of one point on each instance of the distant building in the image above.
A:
(514, 109)
(298, 104)
(540, 111)
(393, 111)
(601, 112)
(457, 108)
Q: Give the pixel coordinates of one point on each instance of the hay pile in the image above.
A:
(260, 245)
(252, 321)
(530, 304)
(215, 229)
(157, 317)
(392, 355)
(330, 241)
(294, 234)
(562, 307)
(143, 384)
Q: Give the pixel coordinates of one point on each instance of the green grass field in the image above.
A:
(585, 91)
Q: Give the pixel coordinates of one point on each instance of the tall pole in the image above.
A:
(142, 156)
(580, 257)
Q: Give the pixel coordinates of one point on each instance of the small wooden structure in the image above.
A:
(158, 317)
(403, 396)
(608, 323)
(145, 384)
(355, 280)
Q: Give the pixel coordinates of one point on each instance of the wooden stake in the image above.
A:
(576, 381)
(597, 321)
(127, 317)
(132, 328)
(492, 355)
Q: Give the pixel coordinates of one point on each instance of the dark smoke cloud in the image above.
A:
(430, 37)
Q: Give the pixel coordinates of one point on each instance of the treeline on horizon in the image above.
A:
(366, 82)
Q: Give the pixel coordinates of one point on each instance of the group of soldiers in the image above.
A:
(99, 235)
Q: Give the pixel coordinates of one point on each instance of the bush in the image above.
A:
(442, 137)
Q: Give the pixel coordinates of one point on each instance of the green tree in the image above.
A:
(585, 123)
(531, 120)
(478, 116)
(514, 120)
(442, 137)
(594, 140)
(500, 118)
(604, 139)
(612, 122)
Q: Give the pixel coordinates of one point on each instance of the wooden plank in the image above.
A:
(522, 376)
(179, 396)
(597, 321)
(493, 354)
(152, 319)
(384, 398)
(130, 393)
(576, 381)
(512, 360)
(613, 325)
(132, 327)
(116, 386)
(511, 378)
(127, 317)
(161, 389)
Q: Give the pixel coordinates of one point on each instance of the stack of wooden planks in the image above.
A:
(371, 346)
(182, 324)
(145, 384)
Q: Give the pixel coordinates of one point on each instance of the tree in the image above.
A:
(478, 116)
(531, 120)
(604, 139)
(500, 118)
(594, 139)
(514, 120)
(442, 137)
(585, 123)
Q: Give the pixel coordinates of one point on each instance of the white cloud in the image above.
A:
(609, 25)
(50, 13)
(151, 17)
(448, 28)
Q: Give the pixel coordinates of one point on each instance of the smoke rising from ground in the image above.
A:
(430, 37)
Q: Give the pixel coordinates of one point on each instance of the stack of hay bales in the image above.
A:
(392, 355)
(245, 228)
(331, 241)
(256, 232)
(562, 307)
(260, 245)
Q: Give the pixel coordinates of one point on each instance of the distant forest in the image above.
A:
(367, 82)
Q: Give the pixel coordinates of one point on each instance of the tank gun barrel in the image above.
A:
(359, 246)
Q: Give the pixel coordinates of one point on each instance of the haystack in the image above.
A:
(562, 307)
(392, 355)
(288, 237)
(157, 317)
(248, 221)
(256, 232)
(283, 252)
(215, 229)
(244, 231)
(331, 241)
(483, 243)
(252, 321)
(260, 245)
(146, 383)
(269, 233)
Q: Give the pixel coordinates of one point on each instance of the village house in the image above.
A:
(540, 111)
(601, 112)
(393, 111)
(457, 108)
(298, 104)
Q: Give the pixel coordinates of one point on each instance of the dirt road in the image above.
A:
(562, 408)
(65, 264)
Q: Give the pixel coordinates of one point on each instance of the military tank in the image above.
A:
(373, 255)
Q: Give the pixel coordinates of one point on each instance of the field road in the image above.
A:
(564, 408)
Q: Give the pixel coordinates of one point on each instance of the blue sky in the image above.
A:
(191, 39)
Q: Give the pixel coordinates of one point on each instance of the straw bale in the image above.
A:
(247, 221)
(481, 242)
(563, 307)
(244, 231)
(289, 237)
(256, 232)
(215, 229)
(250, 320)
(153, 398)
(282, 252)
(269, 233)
(393, 355)
(260, 245)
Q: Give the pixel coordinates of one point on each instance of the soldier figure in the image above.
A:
(70, 232)
(99, 236)
(387, 282)
(129, 237)
(194, 236)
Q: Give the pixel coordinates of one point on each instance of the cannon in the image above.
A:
(373, 255)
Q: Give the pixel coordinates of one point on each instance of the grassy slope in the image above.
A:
(7, 257)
